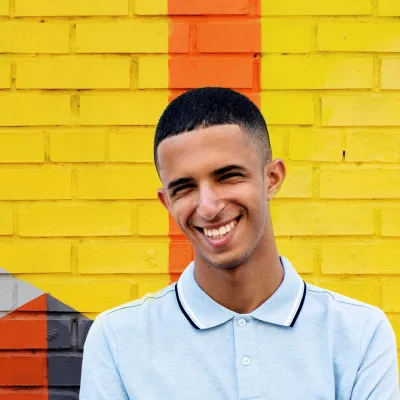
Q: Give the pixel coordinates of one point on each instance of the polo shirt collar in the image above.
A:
(202, 312)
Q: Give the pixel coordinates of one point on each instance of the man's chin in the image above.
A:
(228, 263)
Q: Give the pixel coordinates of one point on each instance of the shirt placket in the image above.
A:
(246, 358)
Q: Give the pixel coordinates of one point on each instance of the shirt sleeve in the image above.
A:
(100, 379)
(377, 377)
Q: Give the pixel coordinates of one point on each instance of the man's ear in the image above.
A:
(275, 172)
(163, 197)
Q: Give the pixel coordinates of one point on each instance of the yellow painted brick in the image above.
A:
(283, 35)
(133, 36)
(361, 110)
(5, 74)
(391, 296)
(373, 146)
(154, 7)
(20, 109)
(82, 72)
(360, 183)
(133, 146)
(76, 220)
(34, 37)
(153, 72)
(322, 219)
(4, 7)
(124, 258)
(390, 221)
(77, 146)
(136, 108)
(390, 73)
(362, 257)
(35, 184)
(153, 219)
(316, 72)
(6, 220)
(277, 140)
(21, 147)
(315, 145)
(86, 296)
(138, 182)
(152, 285)
(395, 322)
(321, 7)
(287, 108)
(390, 8)
(299, 252)
(36, 257)
(383, 36)
(70, 8)
(367, 292)
(298, 183)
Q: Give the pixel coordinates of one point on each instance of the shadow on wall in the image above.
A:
(41, 342)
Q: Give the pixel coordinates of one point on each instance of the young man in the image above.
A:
(240, 323)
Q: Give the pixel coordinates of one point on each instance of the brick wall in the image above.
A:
(82, 84)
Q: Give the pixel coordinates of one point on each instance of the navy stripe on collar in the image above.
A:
(300, 306)
(182, 309)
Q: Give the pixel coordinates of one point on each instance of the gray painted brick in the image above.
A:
(62, 395)
(59, 333)
(64, 370)
(58, 306)
(84, 325)
(7, 285)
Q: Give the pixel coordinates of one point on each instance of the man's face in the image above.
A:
(216, 189)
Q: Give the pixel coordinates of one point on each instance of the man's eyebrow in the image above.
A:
(178, 182)
(228, 168)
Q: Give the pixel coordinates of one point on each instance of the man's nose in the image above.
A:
(209, 204)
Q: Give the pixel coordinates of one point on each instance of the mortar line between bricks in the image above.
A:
(13, 76)
(377, 74)
(72, 38)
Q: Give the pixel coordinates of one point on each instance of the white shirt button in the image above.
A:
(242, 322)
(246, 360)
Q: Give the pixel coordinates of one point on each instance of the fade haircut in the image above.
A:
(210, 106)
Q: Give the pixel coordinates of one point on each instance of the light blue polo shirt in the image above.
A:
(179, 344)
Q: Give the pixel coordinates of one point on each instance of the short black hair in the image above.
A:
(210, 106)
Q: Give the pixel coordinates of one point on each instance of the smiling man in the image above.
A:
(240, 323)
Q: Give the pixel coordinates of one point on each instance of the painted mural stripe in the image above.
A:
(211, 43)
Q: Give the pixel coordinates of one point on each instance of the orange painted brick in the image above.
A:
(77, 146)
(207, 7)
(17, 147)
(153, 219)
(228, 71)
(123, 108)
(390, 73)
(35, 257)
(389, 8)
(181, 254)
(125, 258)
(367, 292)
(291, 219)
(383, 36)
(35, 184)
(5, 74)
(138, 182)
(299, 252)
(390, 221)
(21, 394)
(178, 39)
(21, 109)
(6, 220)
(133, 146)
(297, 184)
(360, 257)
(373, 146)
(27, 8)
(174, 229)
(21, 369)
(83, 72)
(391, 296)
(315, 145)
(4, 7)
(229, 37)
(125, 36)
(361, 110)
(316, 72)
(76, 220)
(34, 37)
(355, 183)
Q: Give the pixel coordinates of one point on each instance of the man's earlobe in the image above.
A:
(162, 196)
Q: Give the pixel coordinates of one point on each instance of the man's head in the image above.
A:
(213, 155)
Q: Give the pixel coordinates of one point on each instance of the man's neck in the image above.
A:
(244, 288)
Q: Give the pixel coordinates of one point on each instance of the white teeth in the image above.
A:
(223, 230)
(228, 228)
(215, 232)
